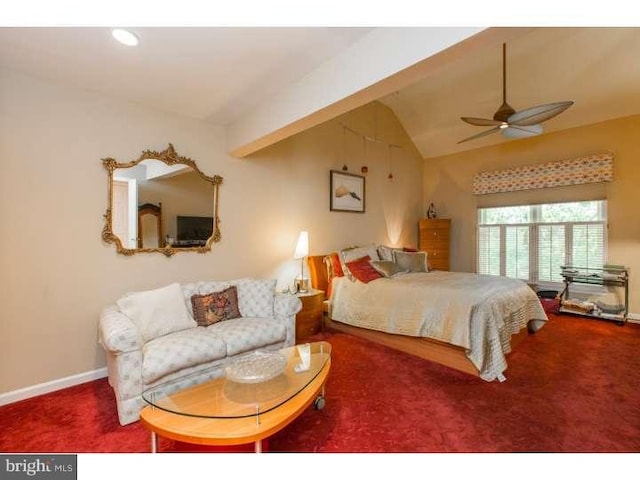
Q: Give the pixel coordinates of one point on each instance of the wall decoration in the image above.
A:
(149, 168)
(431, 211)
(588, 169)
(347, 192)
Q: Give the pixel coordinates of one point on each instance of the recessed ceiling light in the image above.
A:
(125, 37)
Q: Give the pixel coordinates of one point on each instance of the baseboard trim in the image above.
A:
(52, 386)
(633, 318)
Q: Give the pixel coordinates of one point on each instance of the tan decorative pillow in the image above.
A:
(386, 253)
(387, 268)
(411, 261)
(215, 307)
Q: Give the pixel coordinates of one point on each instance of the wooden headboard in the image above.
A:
(318, 272)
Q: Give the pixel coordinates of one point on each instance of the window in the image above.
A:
(532, 242)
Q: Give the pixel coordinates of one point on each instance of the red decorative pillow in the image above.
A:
(337, 266)
(363, 270)
(215, 307)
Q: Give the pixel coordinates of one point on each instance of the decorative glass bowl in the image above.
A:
(256, 367)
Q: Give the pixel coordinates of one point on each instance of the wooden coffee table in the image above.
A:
(224, 412)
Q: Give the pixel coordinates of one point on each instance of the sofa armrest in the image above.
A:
(116, 333)
(285, 308)
(286, 305)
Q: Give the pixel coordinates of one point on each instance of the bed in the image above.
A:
(464, 321)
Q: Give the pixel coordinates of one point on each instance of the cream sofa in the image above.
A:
(151, 337)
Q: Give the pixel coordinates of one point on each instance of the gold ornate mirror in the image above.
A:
(161, 202)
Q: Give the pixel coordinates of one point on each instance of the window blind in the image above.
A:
(532, 242)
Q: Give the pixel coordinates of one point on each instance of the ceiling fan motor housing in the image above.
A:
(504, 112)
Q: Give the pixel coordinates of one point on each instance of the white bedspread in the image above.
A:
(476, 312)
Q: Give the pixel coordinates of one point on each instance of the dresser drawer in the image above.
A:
(434, 243)
(435, 223)
(438, 259)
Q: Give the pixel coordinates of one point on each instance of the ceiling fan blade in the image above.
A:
(515, 131)
(538, 114)
(482, 134)
(481, 122)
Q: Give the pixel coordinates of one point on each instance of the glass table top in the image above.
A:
(226, 398)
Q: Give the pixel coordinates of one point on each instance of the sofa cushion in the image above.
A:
(205, 288)
(180, 350)
(245, 334)
(188, 291)
(215, 307)
(157, 312)
(256, 297)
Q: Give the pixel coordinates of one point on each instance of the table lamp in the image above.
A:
(302, 250)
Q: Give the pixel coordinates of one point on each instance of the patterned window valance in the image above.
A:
(588, 169)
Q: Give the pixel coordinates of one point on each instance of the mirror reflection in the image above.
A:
(161, 202)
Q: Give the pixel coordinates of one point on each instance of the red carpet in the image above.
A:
(572, 387)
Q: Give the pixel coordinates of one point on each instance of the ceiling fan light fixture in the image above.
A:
(521, 132)
(125, 37)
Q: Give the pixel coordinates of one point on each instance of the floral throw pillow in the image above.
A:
(215, 307)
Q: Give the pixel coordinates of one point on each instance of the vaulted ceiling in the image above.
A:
(266, 83)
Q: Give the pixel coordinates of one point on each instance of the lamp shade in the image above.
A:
(302, 247)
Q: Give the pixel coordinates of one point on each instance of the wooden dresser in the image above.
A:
(434, 239)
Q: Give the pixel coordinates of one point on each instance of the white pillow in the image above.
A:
(157, 312)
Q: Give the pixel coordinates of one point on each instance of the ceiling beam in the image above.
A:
(382, 62)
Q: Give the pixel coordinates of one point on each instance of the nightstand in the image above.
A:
(309, 319)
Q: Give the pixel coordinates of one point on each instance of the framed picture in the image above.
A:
(346, 192)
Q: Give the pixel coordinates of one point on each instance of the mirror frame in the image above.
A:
(170, 157)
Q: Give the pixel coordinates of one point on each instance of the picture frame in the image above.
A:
(346, 192)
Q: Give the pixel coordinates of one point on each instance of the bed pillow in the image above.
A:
(362, 270)
(387, 268)
(411, 261)
(335, 265)
(334, 269)
(355, 253)
(215, 307)
(157, 312)
(386, 253)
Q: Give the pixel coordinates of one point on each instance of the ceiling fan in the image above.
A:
(512, 124)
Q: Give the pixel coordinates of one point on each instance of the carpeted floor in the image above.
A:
(574, 386)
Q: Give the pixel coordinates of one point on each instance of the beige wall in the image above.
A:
(55, 271)
(448, 183)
